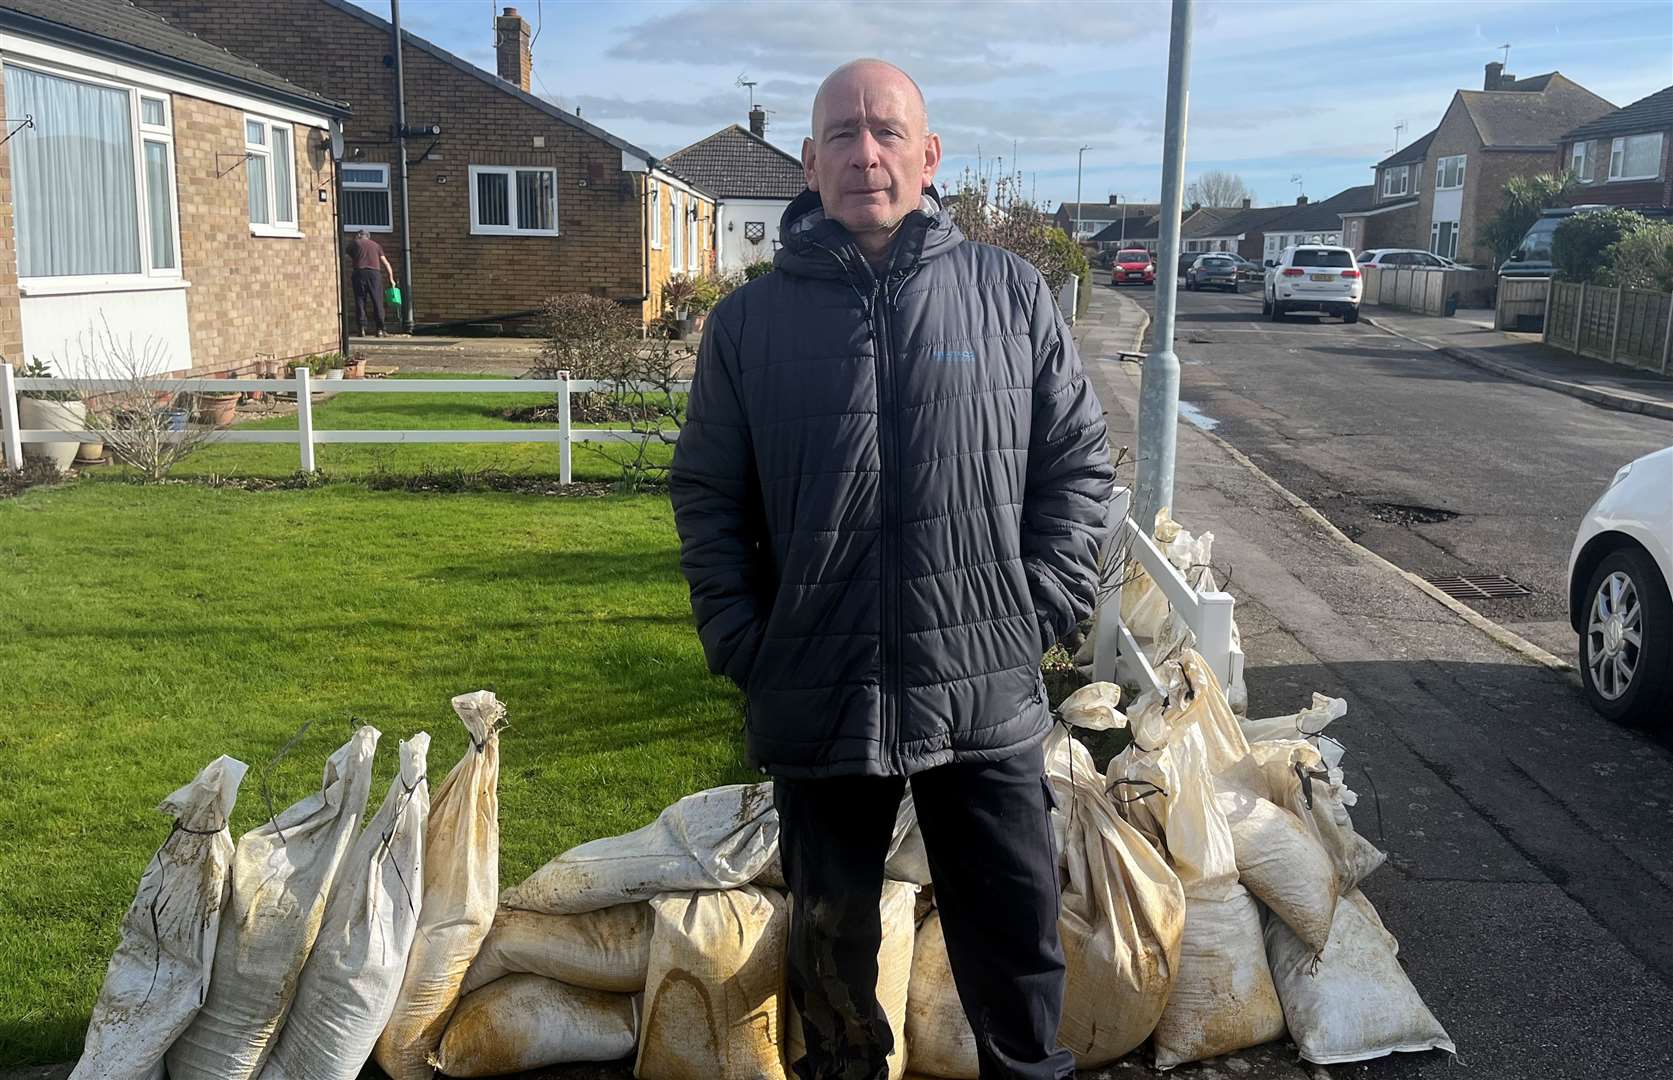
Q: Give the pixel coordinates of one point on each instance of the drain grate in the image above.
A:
(1478, 586)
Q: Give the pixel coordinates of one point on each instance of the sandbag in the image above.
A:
(1353, 1002)
(461, 877)
(715, 839)
(894, 976)
(1280, 861)
(348, 986)
(528, 1022)
(1224, 998)
(1304, 725)
(938, 1037)
(1291, 774)
(714, 1007)
(282, 873)
(607, 949)
(1122, 919)
(159, 974)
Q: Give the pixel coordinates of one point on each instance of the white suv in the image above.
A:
(1312, 277)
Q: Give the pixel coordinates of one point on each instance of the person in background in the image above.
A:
(370, 265)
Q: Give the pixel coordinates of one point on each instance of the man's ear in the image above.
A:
(932, 158)
(808, 175)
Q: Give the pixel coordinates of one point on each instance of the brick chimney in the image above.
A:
(511, 49)
(1245, 202)
(1496, 79)
(1301, 200)
(758, 122)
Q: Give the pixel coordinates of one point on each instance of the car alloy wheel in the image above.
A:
(1626, 639)
(1614, 636)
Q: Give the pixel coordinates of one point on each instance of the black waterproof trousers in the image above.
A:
(368, 296)
(987, 832)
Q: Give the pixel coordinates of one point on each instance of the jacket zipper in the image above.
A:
(888, 461)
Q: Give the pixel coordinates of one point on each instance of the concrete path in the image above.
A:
(1530, 877)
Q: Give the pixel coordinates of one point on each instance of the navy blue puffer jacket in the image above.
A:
(890, 491)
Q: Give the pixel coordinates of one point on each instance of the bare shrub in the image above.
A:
(139, 412)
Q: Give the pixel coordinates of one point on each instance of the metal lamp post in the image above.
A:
(1080, 155)
(1159, 385)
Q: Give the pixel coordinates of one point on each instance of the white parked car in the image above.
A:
(1407, 258)
(1618, 598)
(1312, 277)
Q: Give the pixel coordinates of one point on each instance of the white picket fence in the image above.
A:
(306, 437)
(1116, 654)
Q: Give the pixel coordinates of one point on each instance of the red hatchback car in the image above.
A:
(1133, 267)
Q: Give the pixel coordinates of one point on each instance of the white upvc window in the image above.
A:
(1395, 181)
(1449, 172)
(1631, 157)
(93, 182)
(1443, 239)
(270, 176)
(1580, 161)
(366, 202)
(656, 216)
(691, 251)
(514, 200)
(677, 232)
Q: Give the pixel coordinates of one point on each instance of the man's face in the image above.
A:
(871, 155)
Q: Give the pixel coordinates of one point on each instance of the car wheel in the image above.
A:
(1626, 639)
(1276, 312)
(1351, 315)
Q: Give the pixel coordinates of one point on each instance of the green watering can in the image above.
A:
(392, 295)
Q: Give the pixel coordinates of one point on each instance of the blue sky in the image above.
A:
(1302, 87)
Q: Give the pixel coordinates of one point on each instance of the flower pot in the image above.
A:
(355, 368)
(90, 453)
(218, 409)
(38, 414)
(334, 373)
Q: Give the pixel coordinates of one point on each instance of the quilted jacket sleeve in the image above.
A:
(1070, 480)
(716, 494)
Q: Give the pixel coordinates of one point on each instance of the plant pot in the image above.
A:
(90, 453)
(38, 414)
(355, 369)
(698, 320)
(334, 373)
(218, 409)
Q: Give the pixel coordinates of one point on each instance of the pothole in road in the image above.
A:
(1408, 514)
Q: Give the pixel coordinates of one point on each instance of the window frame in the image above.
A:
(1618, 154)
(361, 185)
(148, 276)
(1441, 168)
(1389, 173)
(1435, 239)
(694, 254)
(656, 216)
(291, 229)
(510, 173)
(1586, 171)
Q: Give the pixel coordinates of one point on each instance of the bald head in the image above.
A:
(871, 154)
(871, 77)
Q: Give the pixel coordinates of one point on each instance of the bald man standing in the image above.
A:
(890, 491)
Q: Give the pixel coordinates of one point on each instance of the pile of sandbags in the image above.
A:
(1277, 937)
(313, 940)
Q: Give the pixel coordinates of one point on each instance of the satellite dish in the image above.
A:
(336, 140)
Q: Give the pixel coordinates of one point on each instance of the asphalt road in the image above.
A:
(1438, 467)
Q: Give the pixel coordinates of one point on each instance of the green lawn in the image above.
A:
(355, 412)
(148, 630)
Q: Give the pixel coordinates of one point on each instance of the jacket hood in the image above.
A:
(813, 245)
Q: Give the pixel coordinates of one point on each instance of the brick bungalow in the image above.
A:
(168, 190)
(514, 200)
(1437, 194)
(752, 179)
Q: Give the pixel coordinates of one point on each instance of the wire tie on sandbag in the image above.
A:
(266, 791)
(1377, 798)
(1155, 789)
(389, 836)
(1307, 776)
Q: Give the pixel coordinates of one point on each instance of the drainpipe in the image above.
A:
(401, 151)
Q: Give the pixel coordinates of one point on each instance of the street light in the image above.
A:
(1123, 206)
(1080, 155)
